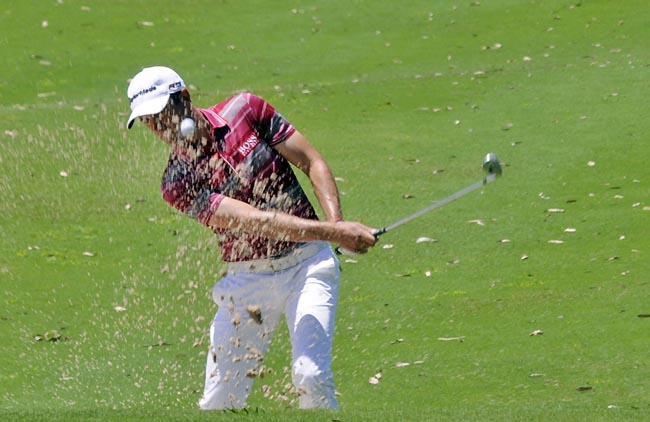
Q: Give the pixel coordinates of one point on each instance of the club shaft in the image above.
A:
(489, 178)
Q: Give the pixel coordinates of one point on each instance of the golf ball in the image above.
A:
(187, 126)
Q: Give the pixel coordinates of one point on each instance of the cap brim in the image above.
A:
(153, 106)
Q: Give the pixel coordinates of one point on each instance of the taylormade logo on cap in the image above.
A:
(149, 91)
(144, 91)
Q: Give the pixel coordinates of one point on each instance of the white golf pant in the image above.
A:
(252, 298)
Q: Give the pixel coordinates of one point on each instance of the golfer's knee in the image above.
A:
(315, 385)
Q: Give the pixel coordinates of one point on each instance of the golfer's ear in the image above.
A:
(186, 94)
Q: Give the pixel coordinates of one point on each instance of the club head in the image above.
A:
(491, 164)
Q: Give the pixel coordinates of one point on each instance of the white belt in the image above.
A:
(270, 265)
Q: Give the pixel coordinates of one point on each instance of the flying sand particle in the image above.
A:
(255, 313)
(375, 379)
(459, 338)
(425, 240)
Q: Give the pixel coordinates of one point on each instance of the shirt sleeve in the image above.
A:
(272, 127)
(183, 190)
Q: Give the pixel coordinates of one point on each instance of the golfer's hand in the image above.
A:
(355, 237)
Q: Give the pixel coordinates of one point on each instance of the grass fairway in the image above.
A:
(106, 290)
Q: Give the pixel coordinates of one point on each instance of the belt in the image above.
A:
(270, 265)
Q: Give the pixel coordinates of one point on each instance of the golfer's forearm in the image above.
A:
(291, 228)
(300, 153)
(326, 191)
(273, 225)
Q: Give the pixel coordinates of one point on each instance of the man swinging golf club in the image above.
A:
(229, 168)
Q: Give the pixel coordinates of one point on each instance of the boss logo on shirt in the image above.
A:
(248, 146)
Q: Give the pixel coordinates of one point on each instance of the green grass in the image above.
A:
(404, 100)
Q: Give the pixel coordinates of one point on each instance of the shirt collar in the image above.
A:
(215, 119)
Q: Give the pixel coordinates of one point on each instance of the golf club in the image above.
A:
(492, 168)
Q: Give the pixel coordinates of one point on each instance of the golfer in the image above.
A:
(230, 169)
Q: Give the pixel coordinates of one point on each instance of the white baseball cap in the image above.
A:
(150, 89)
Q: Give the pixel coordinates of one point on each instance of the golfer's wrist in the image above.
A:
(334, 216)
(334, 231)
